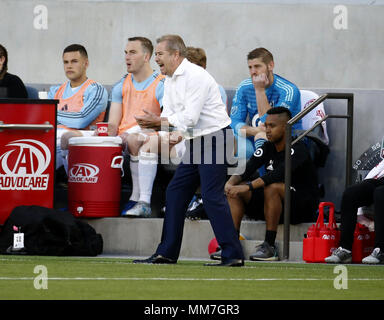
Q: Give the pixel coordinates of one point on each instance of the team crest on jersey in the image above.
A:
(23, 166)
(259, 152)
(255, 120)
(234, 110)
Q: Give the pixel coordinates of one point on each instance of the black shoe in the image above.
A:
(216, 255)
(228, 263)
(155, 259)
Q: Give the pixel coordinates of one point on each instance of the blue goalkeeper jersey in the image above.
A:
(281, 93)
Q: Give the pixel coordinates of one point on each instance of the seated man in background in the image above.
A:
(198, 56)
(142, 88)
(82, 101)
(255, 96)
(367, 192)
(263, 197)
(11, 86)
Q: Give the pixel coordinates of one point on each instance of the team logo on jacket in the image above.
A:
(258, 152)
(83, 173)
(23, 166)
(234, 110)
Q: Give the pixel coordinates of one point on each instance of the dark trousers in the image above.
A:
(365, 193)
(211, 177)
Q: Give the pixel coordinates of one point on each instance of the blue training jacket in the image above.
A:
(281, 93)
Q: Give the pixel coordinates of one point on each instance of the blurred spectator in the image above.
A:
(369, 191)
(198, 56)
(11, 86)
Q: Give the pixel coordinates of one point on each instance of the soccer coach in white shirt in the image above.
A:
(192, 105)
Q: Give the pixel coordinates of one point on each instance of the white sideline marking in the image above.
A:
(187, 279)
(255, 266)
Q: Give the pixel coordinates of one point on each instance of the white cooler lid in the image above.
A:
(102, 141)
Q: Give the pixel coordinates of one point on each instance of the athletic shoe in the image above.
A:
(340, 255)
(140, 209)
(129, 205)
(216, 255)
(195, 209)
(375, 257)
(265, 252)
(193, 204)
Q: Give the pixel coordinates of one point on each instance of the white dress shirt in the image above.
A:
(192, 101)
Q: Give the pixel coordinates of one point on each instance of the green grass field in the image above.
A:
(117, 278)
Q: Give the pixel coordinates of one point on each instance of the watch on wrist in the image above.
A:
(251, 188)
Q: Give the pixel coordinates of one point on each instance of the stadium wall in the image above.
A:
(315, 44)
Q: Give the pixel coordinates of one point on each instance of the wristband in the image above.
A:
(251, 188)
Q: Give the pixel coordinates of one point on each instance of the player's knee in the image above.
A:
(273, 189)
(66, 136)
(349, 194)
(233, 200)
(152, 143)
(133, 143)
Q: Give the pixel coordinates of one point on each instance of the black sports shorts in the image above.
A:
(303, 206)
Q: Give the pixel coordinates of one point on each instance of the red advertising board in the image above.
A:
(27, 153)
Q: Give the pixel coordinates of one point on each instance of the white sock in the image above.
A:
(134, 166)
(147, 174)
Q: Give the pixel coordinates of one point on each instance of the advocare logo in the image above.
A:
(23, 167)
(83, 173)
(102, 129)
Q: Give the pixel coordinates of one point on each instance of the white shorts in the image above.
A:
(134, 129)
(85, 133)
(179, 147)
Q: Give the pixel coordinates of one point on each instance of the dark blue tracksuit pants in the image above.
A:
(211, 177)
